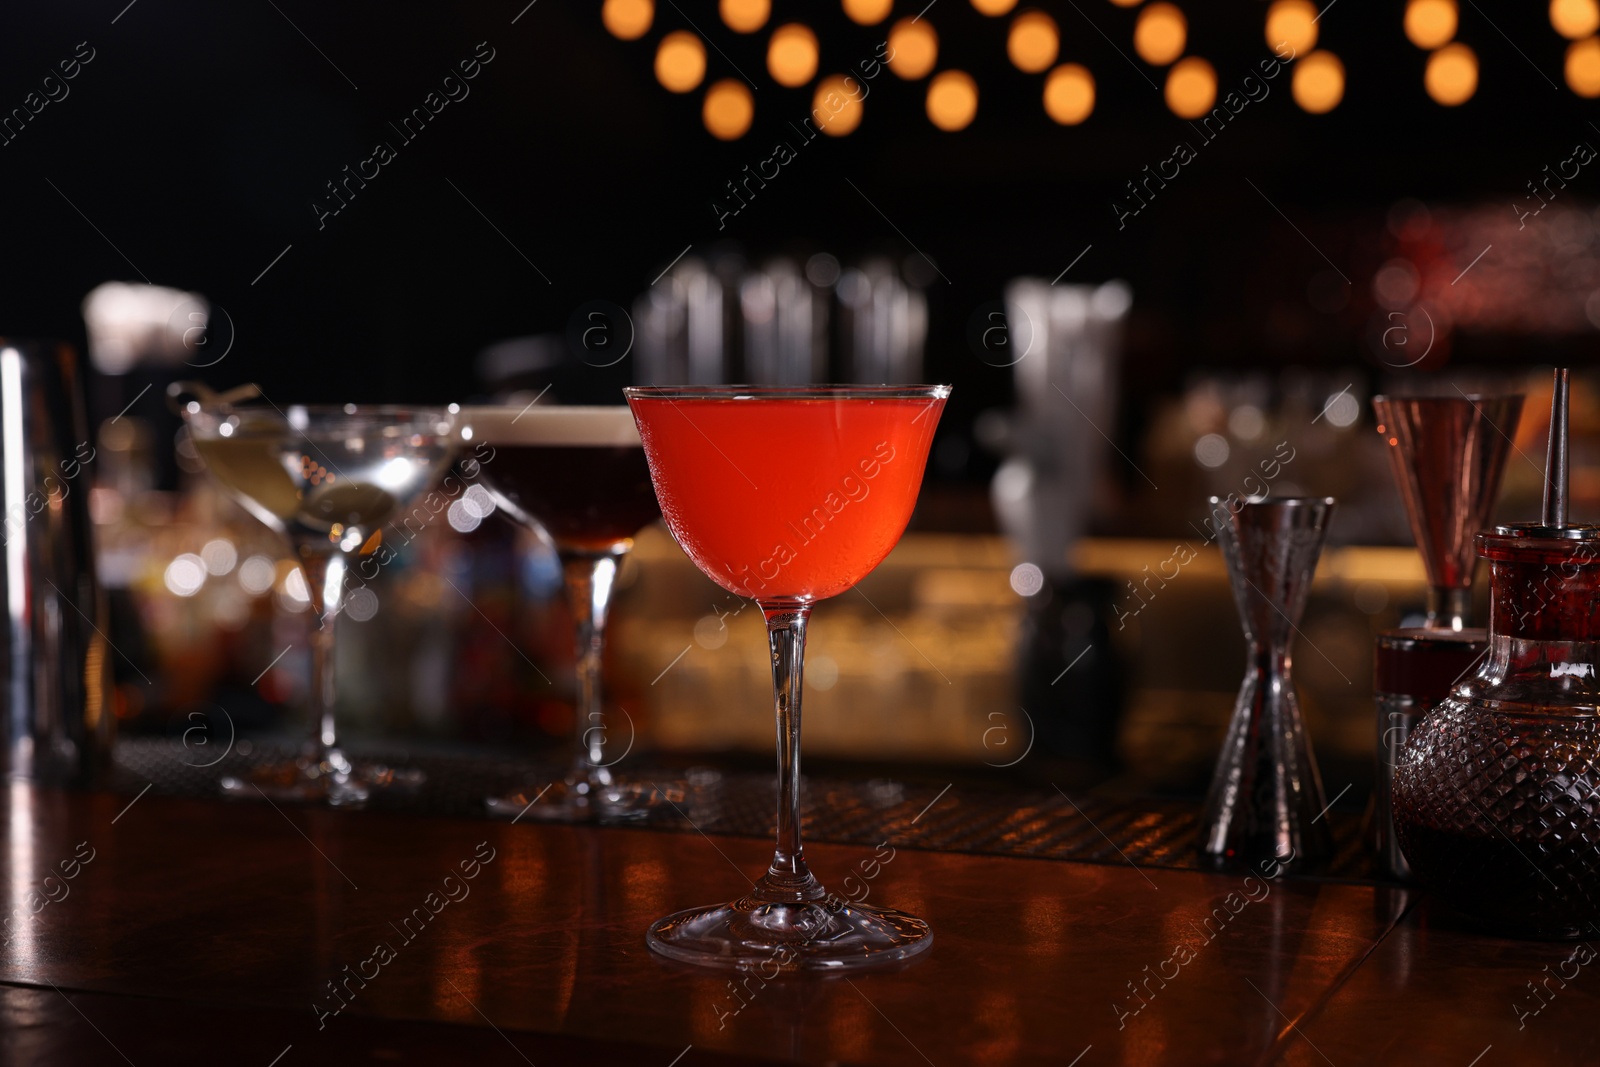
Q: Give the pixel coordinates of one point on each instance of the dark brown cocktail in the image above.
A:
(569, 476)
(579, 475)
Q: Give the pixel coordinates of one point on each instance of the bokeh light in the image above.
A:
(1069, 94)
(1452, 75)
(627, 20)
(479, 501)
(1583, 67)
(1191, 87)
(293, 595)
(1027, 579)
(1342, 410)
(711, 632)
(220, 556)
(744, 16)
(868, 12)
(792, 55)
(1575, 19)
(837, 105)
(993, 7)
(1033, 41)
(1247, 422)
(362, 604)
(1292, 23)
(1431, 23)
(952, 100)
(680, 61)
(1396, 284)
(463, 517)
(822, 672)
(1212, 450)
(185, 575)
(257, 574)
(1318, 82)
(913, 48)
(728, 109)
(1160, 33)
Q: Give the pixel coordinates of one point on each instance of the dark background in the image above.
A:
(198, 138)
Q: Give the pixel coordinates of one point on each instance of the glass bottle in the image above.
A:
(1495, 800)
(1495, 796)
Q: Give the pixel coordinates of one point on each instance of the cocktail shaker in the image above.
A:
(54, 666)
(1065, 344)
(1447, 454)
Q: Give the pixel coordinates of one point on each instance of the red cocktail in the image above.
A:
(788, 496)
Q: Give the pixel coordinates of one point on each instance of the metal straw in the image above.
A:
(1555, 462)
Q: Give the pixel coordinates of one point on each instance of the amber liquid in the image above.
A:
(587, 497)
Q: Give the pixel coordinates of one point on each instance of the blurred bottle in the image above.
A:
(1067, 342)
(724, 321)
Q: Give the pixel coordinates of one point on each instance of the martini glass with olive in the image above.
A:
(330, 480)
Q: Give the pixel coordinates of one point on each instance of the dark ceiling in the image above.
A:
(193, 148)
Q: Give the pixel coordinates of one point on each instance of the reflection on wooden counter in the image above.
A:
(1037, 961)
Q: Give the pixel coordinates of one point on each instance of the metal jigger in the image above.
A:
(1448, 454)
(1266, 797)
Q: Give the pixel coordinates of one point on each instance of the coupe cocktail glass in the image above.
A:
(576, 475)
(787, 496)
(329, 480)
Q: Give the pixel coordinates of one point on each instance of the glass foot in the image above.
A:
(569, 802)
(307, 781)
(758, 935)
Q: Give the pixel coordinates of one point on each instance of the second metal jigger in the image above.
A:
(1448, 454)
(1266, 795)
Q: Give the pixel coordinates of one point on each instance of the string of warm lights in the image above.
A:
(1033, 44)
(1577, 21)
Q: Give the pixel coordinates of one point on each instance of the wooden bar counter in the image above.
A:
(176, 931)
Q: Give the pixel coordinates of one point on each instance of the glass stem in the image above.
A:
(788, 879)
(325, 584)
(589, 578)
(1449, 608)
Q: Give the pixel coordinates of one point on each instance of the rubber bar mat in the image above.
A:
(1050, 824)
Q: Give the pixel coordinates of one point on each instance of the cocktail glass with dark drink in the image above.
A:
(576, 475)
(788, 496)
(330, 480)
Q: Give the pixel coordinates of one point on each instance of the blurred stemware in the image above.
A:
(329, 480)
(577, 476)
